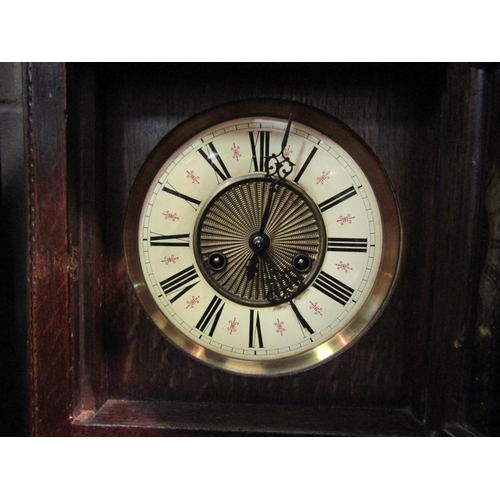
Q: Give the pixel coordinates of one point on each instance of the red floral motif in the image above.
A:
(192, 302)
(287, 152)
(232, 326)
(194, 178)
(170, 216)
(236, 152)
(171, 259)
(323, 177)
(346, 219)
(316, 308)
(279, 327)
(343, 267)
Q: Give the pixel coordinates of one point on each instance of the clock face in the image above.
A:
(262, 243)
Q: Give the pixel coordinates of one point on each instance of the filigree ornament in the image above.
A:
(281, 168)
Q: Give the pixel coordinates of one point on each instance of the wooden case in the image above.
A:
(99, 367)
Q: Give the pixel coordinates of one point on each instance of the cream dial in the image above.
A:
(250, 299)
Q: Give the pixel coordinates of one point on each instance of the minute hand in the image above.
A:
(267, 211)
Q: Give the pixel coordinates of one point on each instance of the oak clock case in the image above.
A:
(262, 237)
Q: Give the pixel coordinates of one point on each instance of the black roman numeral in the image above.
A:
(181, 195)
(306, 164)
(301, 318)
(338, 198)
(260, 140)
(172, 240)
(180, 283)
(347, 244)
(333, 288)
(211, 316)
(220, 170)
(255, 331)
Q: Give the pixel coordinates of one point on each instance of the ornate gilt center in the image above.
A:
(286, 255)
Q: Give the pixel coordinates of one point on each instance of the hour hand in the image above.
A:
(251, 269)
(280, 283)
(259, 243)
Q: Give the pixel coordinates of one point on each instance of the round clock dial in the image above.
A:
(262, 237)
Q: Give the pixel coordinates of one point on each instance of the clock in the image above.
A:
(262, 237)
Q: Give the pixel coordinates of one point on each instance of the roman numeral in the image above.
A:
(338, 198)
(301, 318)
(347, 244)
(211, 316)
(255, 330)
(260, 141)
(173, 240)
(220, 170)
(180, 283)
(306, 164)
(333, 288)
(181, 195)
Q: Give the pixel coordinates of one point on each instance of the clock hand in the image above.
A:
(279, 168)
(272, 188)
(259, 241)
(267, 211)
(285, 137)
(252, 265)
(280, 284)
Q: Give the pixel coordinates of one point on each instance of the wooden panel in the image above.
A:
(213, 418)
(97, 355)
(86, 242)
(459, 241)
(482, 378)
(48, 305)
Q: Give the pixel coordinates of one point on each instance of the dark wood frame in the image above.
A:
(67, 300)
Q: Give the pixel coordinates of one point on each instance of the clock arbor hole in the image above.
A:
(217, 261)
(259, 242)
(301, 263)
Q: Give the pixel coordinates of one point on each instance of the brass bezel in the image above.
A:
(377, 177)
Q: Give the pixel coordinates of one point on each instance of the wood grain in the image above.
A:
(99, 362)
(48, 237)
(261, 420)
